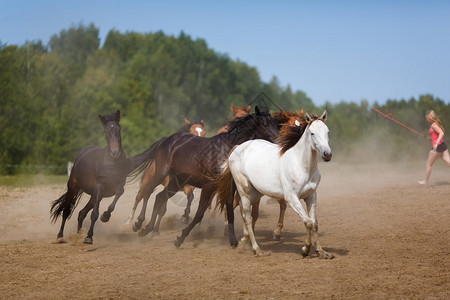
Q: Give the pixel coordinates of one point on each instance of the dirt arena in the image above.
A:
(390, 238)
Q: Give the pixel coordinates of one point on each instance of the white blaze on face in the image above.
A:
(297, 123)
(199, 131)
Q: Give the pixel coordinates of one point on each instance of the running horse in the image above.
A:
(192, 160)
(287, 170)
(196, 128)
(100, 173)
(285, 121)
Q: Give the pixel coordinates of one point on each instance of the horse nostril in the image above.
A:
(327, 156)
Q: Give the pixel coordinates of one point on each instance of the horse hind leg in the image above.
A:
(160, 207)
(189, 191)
(83, 213)
(245, 206)
(277, 231)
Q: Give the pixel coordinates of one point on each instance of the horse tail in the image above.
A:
(224, 187)
(137, 164)
(63, 203)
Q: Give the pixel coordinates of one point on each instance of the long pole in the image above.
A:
(389, 116)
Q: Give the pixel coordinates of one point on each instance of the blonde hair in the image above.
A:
(434, 117)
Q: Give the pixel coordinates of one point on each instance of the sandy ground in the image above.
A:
(390, 238)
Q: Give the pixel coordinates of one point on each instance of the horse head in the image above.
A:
(240, 112)
(111, 128)
(319, 135)
(195, 128)
(264, 126)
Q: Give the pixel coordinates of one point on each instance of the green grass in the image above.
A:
(26, 180)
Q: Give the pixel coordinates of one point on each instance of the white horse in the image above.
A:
(260, 168)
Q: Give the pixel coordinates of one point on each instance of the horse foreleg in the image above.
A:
(189, 191)
(141, 218)
(277, 231)
(294, 202)
(107, 214)
(311, 204)
(133, 211)
(255, 213)
(95, 213)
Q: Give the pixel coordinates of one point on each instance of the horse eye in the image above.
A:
(312, 133)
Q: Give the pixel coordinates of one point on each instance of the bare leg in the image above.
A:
(431, 159)
(446, 158)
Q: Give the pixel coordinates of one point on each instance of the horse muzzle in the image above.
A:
(326, 156)
(114, 152)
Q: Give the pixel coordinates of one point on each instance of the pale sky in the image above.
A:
(331, 50)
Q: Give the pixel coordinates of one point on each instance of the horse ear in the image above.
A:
(257, 112)
(301, 112)
(248, 109)
(202, 122)
(266, 110)
(117, 116)
(324, 116)
(233, 109)
(307, 118)
(102, 119)
(187, 121)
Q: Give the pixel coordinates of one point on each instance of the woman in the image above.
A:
(439, 148)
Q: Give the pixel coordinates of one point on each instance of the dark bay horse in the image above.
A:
(196, 161)
(196, 128)
(100, 173)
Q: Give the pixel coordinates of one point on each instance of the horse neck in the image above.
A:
(309, 157)
(238, 136)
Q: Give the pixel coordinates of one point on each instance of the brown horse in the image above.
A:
(235, 113)
(99, 172)
(193, 160)
(195, 128)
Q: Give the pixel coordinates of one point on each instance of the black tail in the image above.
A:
(137, 164)
(64, 202)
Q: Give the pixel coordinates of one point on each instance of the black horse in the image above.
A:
(196, 161)
(99, 172)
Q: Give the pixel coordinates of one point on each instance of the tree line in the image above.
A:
(50, 96)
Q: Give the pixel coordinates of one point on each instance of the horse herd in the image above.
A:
(253, 155)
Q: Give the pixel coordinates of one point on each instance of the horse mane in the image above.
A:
(290, 135)
(238, 122)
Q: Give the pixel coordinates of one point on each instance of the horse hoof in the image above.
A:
(60, 240)
(137, 226)
(326, 256)
(154, 233)
(177, 242)
(258, 252)
(234, 244)
(304, 252)
(184, 220)
(105, 217)
(88, 240)
(276, 237)
(142, 232)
